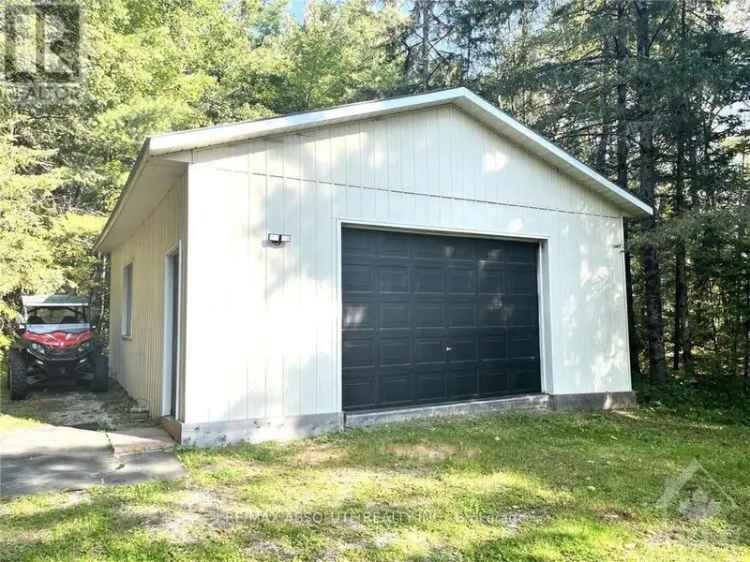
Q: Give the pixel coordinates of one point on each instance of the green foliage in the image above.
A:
(719, 399)
(72, 235)
(571, 70)
(339, 55)
(151, 67)
(27, 261)
(578, 72)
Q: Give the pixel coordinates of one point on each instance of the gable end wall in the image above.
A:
(435, 170)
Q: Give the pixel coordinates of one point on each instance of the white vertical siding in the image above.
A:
(435, 169)
(137, 362)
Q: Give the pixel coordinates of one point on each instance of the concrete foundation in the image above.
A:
(527, 402)
(594, 401)
(254, 430)
(295, 427)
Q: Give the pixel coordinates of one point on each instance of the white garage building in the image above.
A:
(424, 254)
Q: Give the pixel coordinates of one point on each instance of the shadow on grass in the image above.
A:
(104, 529)
(490, 488)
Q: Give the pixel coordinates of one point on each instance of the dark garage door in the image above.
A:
(430, 319)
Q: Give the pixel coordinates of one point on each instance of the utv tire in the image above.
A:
(100, 382)
(17, 383)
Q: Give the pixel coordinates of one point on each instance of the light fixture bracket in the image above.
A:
(277, 239)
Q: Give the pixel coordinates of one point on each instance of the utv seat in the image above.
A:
(35, 320)
(69, 320)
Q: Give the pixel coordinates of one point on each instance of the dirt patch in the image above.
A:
(512, 521)
(629, 414)
(186, 518)
(431, 453)
(424, 452)
(79, 408)
(319, 456)
(266, 549)
(76, 498)
(180, 527)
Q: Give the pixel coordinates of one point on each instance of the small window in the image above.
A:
(127, 301)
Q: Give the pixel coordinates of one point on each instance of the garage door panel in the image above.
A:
(461, 314)
(525, 377)
(522, 342)
(358, 278)
(495, 250)
(428, 279)
(491, 280)
(461, 349)
(358, 243)
(395, 351)
(429, 314)
(396, 389)
(360, 316)
(458, 248)
(360, 392)
(519, 312)
(493, 346)
(493, 311)
(462, 279)
(522, 253)
(430, 386)
(436, 318)
(393, 279)
(431, 247)
(493, 381)
(429, 350)
(358, 353)
(391, 244)
(520, 279)
(461, 383)
(395, 315)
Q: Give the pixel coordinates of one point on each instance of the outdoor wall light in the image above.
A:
(279, 239)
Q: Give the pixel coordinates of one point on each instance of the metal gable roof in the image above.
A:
(502, 123)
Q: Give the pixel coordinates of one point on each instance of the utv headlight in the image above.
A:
(39, 348)
(85, 346)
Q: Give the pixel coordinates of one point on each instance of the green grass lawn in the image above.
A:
(508, 487)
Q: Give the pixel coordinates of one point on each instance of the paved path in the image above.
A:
(47, 458)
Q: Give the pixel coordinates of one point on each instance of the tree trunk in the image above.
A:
(680, 283)
(621, 149)
(633, 335)
(601, 149)
(692, 165)
(647, 177)
(426, 14)
(681, 344)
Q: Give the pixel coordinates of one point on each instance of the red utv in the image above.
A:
(55, 345)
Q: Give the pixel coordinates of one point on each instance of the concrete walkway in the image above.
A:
(47, 458)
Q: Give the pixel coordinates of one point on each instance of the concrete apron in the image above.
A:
(53, 458)
(526, 402)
